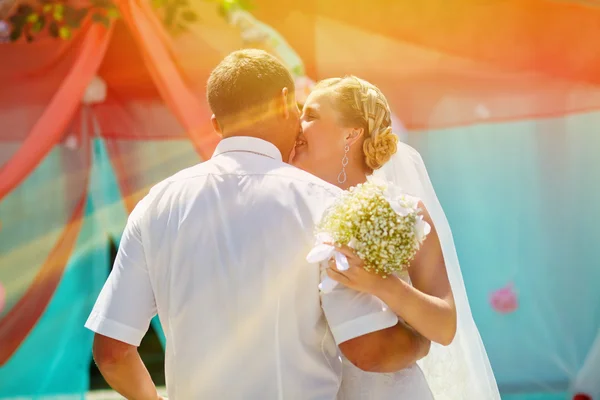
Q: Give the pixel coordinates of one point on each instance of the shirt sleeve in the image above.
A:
(126, 304)
(351, 314)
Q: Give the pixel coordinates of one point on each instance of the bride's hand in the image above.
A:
(355, 277)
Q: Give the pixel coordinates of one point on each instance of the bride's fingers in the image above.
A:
(337, 276)
(350, 273)
(333, 265)
(347, 251)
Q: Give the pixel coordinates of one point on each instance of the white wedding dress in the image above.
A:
(460, 371)
(408, 384)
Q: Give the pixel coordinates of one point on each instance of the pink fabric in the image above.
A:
(50, 126)
(156, 46)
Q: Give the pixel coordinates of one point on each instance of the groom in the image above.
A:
(218, 251)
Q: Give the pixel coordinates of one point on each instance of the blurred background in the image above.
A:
(101, 99)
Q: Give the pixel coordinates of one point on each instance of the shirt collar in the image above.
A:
(248, 144)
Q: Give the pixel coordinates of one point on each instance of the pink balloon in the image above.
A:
(582, 396)
(504, 300)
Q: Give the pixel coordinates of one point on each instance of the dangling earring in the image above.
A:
(342, 175)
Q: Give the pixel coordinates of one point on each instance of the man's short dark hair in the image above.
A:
(244, 81)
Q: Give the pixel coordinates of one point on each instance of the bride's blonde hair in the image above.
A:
(362, 104)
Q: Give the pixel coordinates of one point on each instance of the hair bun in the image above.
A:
(380, 147)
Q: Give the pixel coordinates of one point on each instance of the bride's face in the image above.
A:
(320, 147)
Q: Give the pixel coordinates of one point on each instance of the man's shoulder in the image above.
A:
(197, 171)
(286, 174)
(170, 183)
(303, 178)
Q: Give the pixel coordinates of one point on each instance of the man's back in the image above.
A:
(218, 251)
(225, 243)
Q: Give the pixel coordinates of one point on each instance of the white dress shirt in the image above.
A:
(218, 251)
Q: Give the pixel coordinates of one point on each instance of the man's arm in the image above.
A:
(368, 333)
(122, 315)
(387, 350)
(123, 369)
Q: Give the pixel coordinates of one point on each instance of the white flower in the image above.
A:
(400, 210)
(410, 202)
(422, 229)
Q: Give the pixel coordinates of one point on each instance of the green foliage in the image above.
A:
(60, 18)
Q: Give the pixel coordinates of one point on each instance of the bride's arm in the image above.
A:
(427, 306)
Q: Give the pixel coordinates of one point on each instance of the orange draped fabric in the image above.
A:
(444, 63)
(557, 38)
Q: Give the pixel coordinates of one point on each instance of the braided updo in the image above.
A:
(362, 104)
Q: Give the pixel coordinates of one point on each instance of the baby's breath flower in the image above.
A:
(385, 237)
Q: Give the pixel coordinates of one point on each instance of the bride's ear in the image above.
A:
(354, 135)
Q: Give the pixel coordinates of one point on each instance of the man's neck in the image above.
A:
(263, 133)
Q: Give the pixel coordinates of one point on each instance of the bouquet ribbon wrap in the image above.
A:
(323, 251)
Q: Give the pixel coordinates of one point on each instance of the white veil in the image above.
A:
(460, 371)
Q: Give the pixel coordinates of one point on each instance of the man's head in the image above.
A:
(251, 93)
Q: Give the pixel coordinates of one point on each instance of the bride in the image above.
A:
(347, 136)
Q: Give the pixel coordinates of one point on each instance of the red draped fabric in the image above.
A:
(47, 120)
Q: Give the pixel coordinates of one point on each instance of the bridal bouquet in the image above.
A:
(385, 230)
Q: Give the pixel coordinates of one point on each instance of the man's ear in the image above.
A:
(215, 124)
(284, 104)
